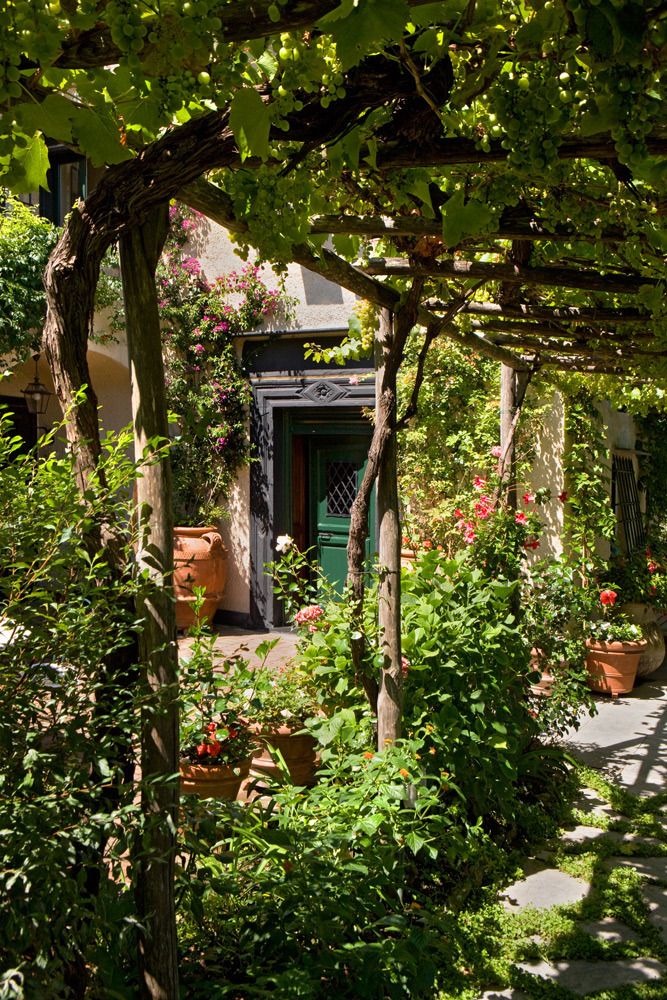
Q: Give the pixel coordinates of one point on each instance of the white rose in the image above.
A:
(284, 543)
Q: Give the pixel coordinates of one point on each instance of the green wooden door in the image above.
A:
(336, 473)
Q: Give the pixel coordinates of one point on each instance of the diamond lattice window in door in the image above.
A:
(341, 488)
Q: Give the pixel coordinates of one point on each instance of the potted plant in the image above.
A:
(614, 647)
(553, 613)
(636, 581)
(216, 742)
(215, 755)
(277, 701)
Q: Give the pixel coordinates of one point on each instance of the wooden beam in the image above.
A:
(562, 314)
(450, 152)
(628, 351)
(553, 277)
(551, 330)
(521, 229)
(242, 21)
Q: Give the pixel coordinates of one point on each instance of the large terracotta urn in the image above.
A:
(200, 560)
(298, 751)
(612, 666)
(646, 617)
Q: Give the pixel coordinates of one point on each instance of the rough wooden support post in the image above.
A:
(513, 385)
(158, 966)
(390, 695)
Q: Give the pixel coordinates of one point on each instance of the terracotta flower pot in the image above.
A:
(297, 750)
(545, 686)
(612, 666)
(646, 617)
(200, 560)
(213, 781)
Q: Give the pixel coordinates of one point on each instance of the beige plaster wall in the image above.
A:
(218, 255)
(547, 472)
(109, 376)
(235, 531)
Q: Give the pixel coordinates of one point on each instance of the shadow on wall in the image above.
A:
(547, 472)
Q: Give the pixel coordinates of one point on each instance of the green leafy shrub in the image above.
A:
(465, 690)
(68, 808)
(25, 244)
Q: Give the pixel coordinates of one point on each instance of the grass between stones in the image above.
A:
(496, 940)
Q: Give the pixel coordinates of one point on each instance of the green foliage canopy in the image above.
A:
(25, 244)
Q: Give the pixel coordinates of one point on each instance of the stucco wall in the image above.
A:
(109, 376)
(235, 532)
(547, 472)
(321, 304)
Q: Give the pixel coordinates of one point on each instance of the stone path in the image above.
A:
(589, 866)
(232, 642)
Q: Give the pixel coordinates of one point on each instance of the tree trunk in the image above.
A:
(158, 964)
(390, 695)
(383, 429)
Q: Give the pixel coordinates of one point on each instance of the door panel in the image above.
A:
(337, 470)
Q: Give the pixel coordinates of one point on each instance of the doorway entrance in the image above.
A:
(327, 461)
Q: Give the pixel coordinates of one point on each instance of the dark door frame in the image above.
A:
(278, 402)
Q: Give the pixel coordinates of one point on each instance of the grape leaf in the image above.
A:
(461, 219)
(53, 117)
(29, 163)
(99, 138)
(250, 123)
(365, 26)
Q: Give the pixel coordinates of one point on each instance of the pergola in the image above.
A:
(532, 282)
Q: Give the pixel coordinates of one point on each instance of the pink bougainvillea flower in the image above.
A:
(353, 380)
(405, 665)
(479, 483)
(564, 496)
(427, 543)
(496, 451)
(529, 497)
(608, 597)
(520, 517)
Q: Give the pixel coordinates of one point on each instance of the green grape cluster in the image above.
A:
(275, 207)
(532, 111)
(306, 66)
(368, 315)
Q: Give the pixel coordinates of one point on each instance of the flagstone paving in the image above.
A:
(231, 642)
(627, 743)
